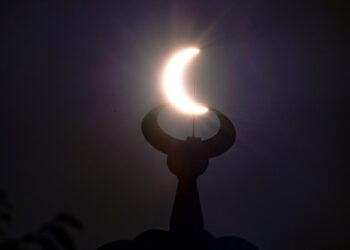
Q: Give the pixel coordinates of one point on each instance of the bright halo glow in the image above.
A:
(172, 81)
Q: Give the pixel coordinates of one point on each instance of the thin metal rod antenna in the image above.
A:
(194, 116)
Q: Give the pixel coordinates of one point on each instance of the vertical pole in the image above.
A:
(193, 116)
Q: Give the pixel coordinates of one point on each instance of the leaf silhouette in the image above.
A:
(115, 245)
(30, 237)
(52, 236)
(4, 202)
(9, 245)
(2, 233)
(46, 244)
(69, 220)
(61, 235)
(3, 196)
(6, 217)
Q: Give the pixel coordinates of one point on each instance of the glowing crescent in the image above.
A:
(172, 81)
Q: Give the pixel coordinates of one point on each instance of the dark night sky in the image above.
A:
(78, 78)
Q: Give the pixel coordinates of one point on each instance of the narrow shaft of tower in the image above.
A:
(187, 166)
(187, 212)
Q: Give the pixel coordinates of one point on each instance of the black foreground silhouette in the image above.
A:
(51, 236)
(187, 160)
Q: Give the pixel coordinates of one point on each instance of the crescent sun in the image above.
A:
(173, 86)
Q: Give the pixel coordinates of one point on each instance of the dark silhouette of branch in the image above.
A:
(61, 235)
(6, 210)
(68, 220)
(52, 236)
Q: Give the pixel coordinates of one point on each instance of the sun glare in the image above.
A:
(173, 82)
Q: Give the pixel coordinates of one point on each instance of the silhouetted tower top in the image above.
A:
(187, 160)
